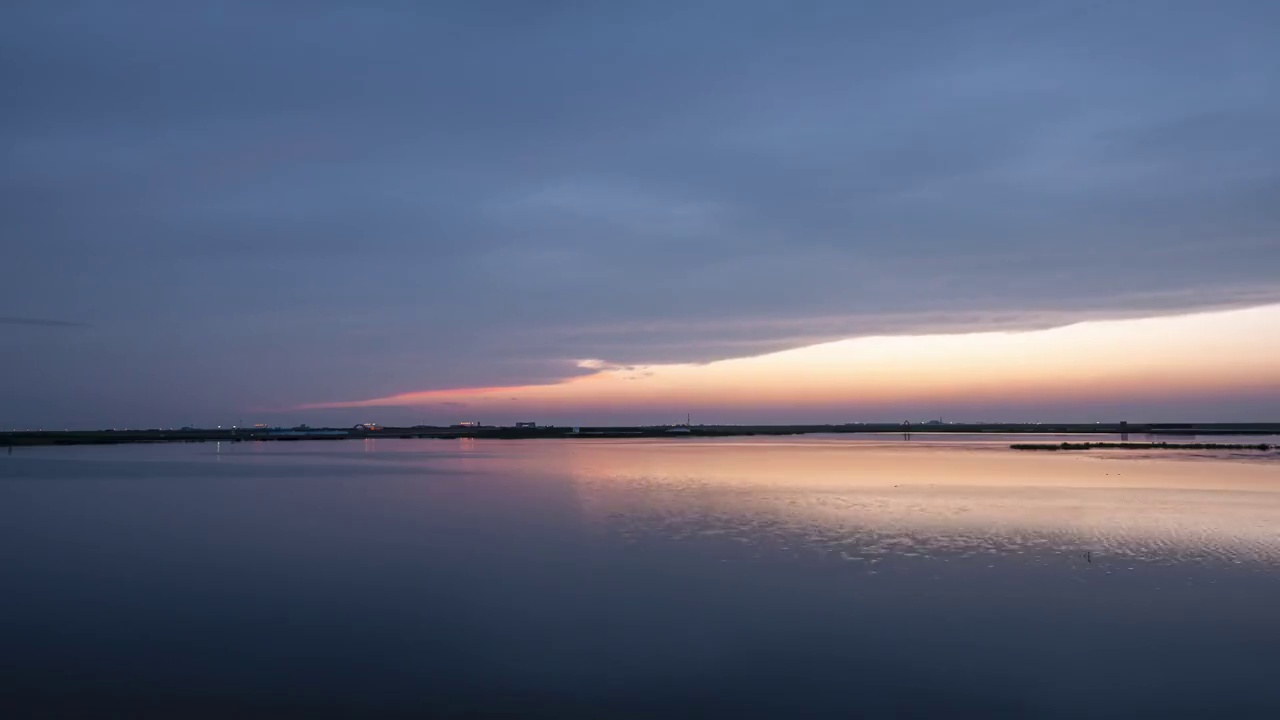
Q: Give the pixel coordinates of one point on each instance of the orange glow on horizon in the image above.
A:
(1187, 355)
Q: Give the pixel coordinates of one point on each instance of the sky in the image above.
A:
(405, 212)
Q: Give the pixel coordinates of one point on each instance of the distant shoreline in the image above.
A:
(128, 437)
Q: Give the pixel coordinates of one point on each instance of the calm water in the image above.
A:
(805, 577)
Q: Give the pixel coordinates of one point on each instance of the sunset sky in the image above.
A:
(402, 212)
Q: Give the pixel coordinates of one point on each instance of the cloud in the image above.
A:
(373, 198)
(698, 340)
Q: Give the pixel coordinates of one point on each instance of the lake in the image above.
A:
(740, 577)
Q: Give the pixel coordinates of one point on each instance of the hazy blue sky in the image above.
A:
(210, 210)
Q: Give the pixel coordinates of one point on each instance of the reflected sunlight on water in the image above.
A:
(868, 499)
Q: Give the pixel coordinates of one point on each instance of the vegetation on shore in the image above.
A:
(1139, 446)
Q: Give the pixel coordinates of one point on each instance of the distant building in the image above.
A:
(467, 424)
(526, 424)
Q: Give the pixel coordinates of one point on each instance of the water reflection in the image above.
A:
(868, 500)
(594, 578)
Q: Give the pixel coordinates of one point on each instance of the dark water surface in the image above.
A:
(808, 577)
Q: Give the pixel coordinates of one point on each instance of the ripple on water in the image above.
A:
(1148, 525)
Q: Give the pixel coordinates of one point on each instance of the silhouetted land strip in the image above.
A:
(120, 437)
(1139, 446)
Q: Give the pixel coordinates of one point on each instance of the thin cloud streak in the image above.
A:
(41, 322)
